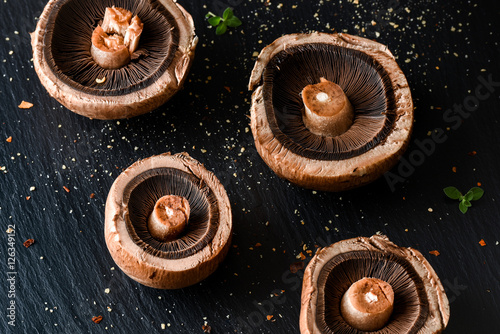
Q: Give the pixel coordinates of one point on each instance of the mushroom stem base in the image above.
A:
(327, 111)
(169, 217)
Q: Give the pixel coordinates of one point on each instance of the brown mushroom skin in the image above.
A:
(439, 308)
(367, 304)
(153, 271)
(125, 106)
(316, 174)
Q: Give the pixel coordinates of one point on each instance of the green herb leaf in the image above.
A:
(463, 208)
(228, 13)
(233, 22)
(208, 15)
(477, 193)
(452, 192)
(469, 196)
(467, 203)
(221, 29)
(214, 21)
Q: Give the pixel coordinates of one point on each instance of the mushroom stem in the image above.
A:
(327, 110)
(115, 41)
(367, 304)
(169, 217)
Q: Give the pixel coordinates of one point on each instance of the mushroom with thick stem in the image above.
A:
(329, 112)
(94, 71)
(168, 221)
(370, 284)
(116, 40)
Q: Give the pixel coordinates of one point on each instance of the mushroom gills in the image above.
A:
(69, 49)
(185, 228)
(362, 101)
(410, 306)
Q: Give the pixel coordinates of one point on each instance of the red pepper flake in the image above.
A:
(269, 317)
(302, 256)
(258, 244)
(473, 153)
(227, 88)
(435, 253)
(206, 329)
(92, 195)
(28, 198)
(296, 266)
(482, 242)
(28, 243)
(479, 184)
(97, 319)
(25, 105)
(9, 140)
(66, 189)
(454, 169)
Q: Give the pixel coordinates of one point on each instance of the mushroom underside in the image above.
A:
(68, 46)
(410, 300)
(364, 81)
(141, 195)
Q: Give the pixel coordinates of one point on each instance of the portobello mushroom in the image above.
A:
(371, 285)
(168, 221)
(113, 59)
(329, 112)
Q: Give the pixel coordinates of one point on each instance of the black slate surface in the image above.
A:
(446, 49)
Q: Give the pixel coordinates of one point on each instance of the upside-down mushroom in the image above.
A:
(109, 62)
(371, 285)
(329, 111)
(168, 221)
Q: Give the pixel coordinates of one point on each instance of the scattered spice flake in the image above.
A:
(206, 329)
(435, 253)
(9, 140)
(473, 153)
(100, 80)
(9, 230)
(296, 266)
(227, 88)
(482, 242)
(25, 105)
(269, 317)
(302, 256)
(92, 195)
(66, 189)
(28, 242)
(479, 184)
(454, 169)
(97, 319)
(258, 244)
(28, 198)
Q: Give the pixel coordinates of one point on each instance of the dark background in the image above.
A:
(443, 48)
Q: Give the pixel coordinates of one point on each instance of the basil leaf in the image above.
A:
(221, 29)
(214, 21)
(462, 207)
(233, 22)
(228, 13)
(452, 192)
(477, 193)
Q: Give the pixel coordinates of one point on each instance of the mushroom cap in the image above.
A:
(132, 247)
(420, 302)
(317, 169)
(152, 83)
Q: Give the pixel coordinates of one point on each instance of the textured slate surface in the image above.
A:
(444, 48)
